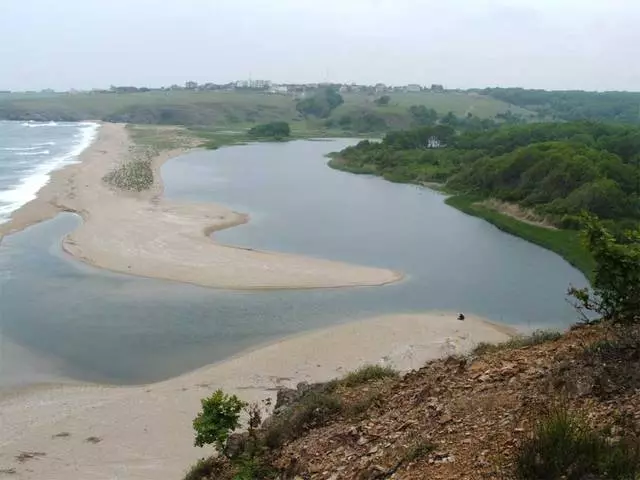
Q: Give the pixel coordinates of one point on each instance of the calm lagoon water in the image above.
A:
(92, 325)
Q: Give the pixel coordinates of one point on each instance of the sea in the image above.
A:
(30, 151)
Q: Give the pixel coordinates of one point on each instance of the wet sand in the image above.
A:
(145, 432)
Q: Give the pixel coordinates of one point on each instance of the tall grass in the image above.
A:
(564, 447)
(366, 374)
(519, 341)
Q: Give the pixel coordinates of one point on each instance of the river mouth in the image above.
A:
(92, 325)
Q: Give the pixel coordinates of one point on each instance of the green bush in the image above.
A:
(219, 417)
(204, 469)
(564, 447)
(536, 338)
(313, 410)
(616, 284)
(368, 373)
(275, 130)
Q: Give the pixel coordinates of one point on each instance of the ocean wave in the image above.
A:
(39, 124)
(27, 189)
(19, 149)
(30, 154)
(35, 146)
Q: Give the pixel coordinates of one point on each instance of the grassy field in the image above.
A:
(566, 243)
(230, 108)
(443, 103)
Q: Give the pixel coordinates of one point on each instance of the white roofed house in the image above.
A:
(413, 88)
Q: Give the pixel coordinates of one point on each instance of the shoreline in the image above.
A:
(145, 431)
(144, 234)
(563, 242)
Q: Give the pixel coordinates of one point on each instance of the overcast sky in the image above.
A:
(553, 44)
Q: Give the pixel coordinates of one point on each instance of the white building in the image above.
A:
(413, 88)
(281, 89)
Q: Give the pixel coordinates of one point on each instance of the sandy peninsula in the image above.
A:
(136, 433)
(144, 234)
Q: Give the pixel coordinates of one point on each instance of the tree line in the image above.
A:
(556, 169)
(573, 105)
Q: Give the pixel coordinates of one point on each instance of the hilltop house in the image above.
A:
(413, 88)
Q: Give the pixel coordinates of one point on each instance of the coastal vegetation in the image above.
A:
(134, 176)
(553, 170)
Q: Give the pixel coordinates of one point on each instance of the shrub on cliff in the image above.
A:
(563, 446)
(219, 417)
(616, 285)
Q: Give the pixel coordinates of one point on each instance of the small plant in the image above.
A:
(314, 410)
(536, 338)
(218, 419)
(361, 407)
(204, 469)
(418, 450)
(613, 362)
(368, 373)
(563, 446)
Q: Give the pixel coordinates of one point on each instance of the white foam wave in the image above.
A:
(35, 146)
(30, 154)
(19, 149)
(39, 124)
(27, 189)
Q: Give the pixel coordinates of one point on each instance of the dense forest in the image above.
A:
(573, 105)
(557, 170)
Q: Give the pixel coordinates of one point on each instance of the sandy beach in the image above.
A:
(146, 235)
(97, 432)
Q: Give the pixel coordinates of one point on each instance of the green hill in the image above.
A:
(239, 108)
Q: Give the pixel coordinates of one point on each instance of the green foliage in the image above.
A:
(218, 419)
(564, 447)
(321, 104)
(370, 399)
(366, 374)
(556, 178)
(573, 105)
(383, 100)
(253, 469)
(360, 122)
(277, 130)
(536, 338)
(616, 283)
(205, 468)
(423, 116)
